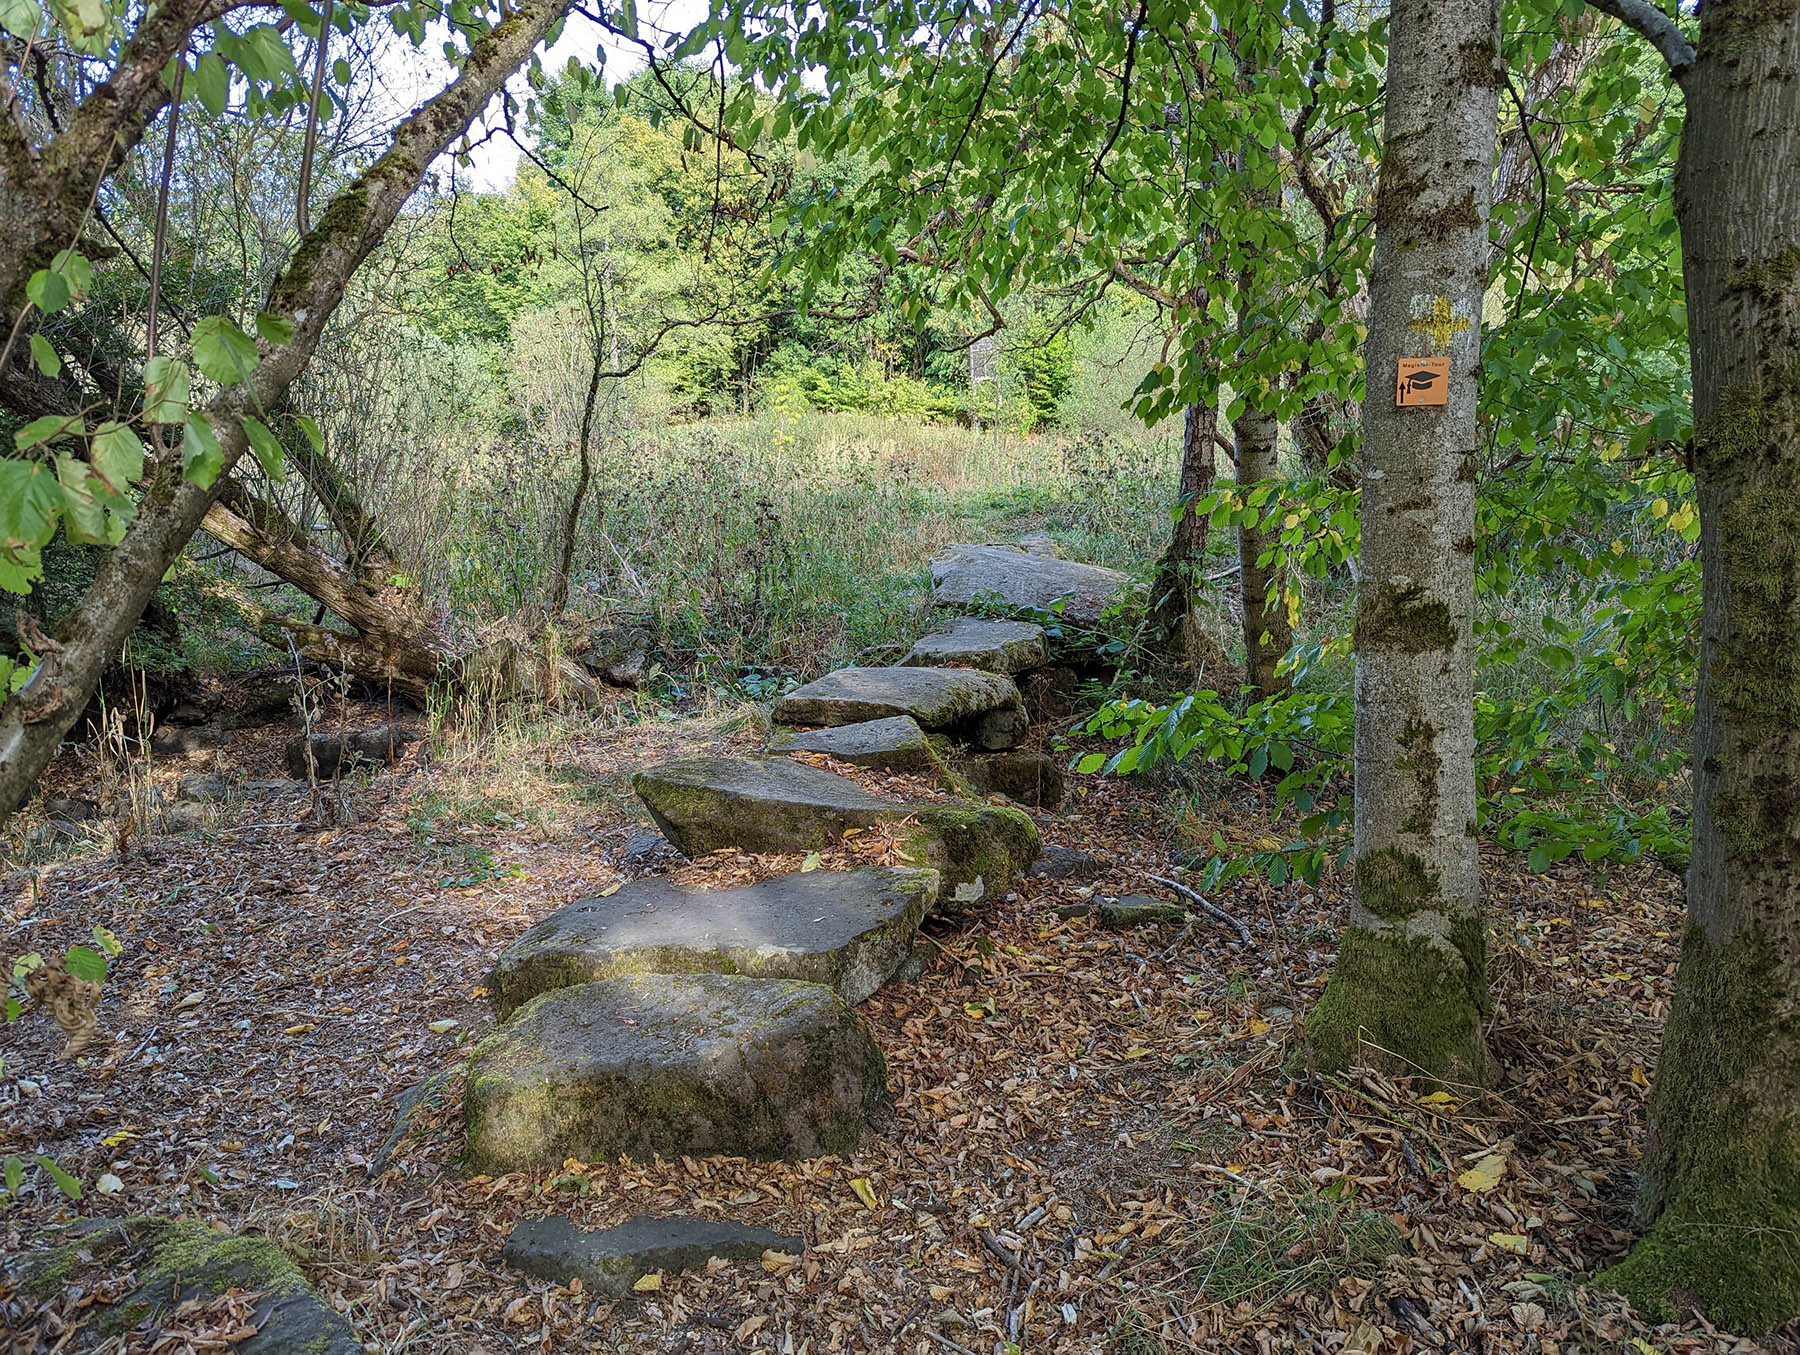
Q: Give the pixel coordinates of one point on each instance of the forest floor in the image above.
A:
(1094, 1144)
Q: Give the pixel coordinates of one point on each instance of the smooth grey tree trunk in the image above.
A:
(1721, 1174)
(34, 721)
(1409, 990)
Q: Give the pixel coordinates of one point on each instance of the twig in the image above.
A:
(1213, 911)
(947, 1343)
(1230, 1175)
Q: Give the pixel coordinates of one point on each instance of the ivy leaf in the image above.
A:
(45, 356)
(266, 446)
(167, 386)
(223, 351)
(118, 455)
(85, 963)
(201, 456)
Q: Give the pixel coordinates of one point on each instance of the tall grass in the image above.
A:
(787, 542)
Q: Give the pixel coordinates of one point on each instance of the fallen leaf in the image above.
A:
(750, 1326)
(650, 1283)
(811, 862)
(1513, 1242)
(1485, 1174)
(443, 1027)
(865, 1192)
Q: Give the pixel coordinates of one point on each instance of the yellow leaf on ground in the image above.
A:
(650, 1283)
(1137, 1051)
(297, 1030)
(1258, 1026)
(865, 1192)
(610, 890)
(777, 1261)
(1514, 1242)
(1485, 1174)
(1437, 1099)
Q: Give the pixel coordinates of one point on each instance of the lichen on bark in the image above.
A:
(1403, 617)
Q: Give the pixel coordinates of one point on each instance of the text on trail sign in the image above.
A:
(1423, 381)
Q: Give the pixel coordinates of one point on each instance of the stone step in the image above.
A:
(978, 707)
(993, 646)
(609, 1262)
(849, 930)
(700, 1064)
(967, 576)
(1034, 779)
(759, 804)
(893, 744)
(763, 804)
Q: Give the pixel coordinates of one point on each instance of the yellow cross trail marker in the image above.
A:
(1441, 325)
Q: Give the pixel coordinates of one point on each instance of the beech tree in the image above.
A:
(99, 481)
(1410, 985)
(1721, 1175)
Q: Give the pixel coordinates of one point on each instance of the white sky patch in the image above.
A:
(410, 76)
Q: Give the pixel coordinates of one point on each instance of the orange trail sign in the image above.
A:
(1422, 381)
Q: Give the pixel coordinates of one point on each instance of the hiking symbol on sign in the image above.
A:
(1422, 381)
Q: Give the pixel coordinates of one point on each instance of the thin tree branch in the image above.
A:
(1655, 27)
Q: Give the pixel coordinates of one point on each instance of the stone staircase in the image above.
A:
(674, 1019)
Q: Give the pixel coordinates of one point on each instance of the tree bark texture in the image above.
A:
(1180, 615)
(1721, 1175)
(1409, 991)
(34, 721)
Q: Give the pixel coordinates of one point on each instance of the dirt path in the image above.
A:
(1094, 1146)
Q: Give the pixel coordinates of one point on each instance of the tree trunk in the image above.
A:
(395, 648)
(1409, 990)
(34, 721)
(1179, 613)
(1267, 634)
(1721, 1175)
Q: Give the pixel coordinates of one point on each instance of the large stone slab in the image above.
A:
(978, 850)
(849, 930)
(609, 1262)
(700, 1064)
(760, 804)
(964, 576)
(168, 1262)
(970, 642)
(984, 708)
(894, 744)
(1034, 779)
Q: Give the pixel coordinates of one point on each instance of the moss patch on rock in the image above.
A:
(976, 849)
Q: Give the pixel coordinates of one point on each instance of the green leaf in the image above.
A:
(313, 435)
(107, 940)
(212, 83)
(45, 356)
(167, 386)
(84, 520)
(86, 964)
(22, 18)
(1090, 764)
(76, 271)
(46, 429)
(266, 446)
(15, 1174)
(118, 455)
(223, 351)
(47, 290)
(275, 328)
(67, 1184)
(201, 456)
(29, 502)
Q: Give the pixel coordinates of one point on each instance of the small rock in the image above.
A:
(183, 816)
(56, 832)
(182, 741)
(609, 1263)
(382, 744)
(619, 656)
(956, 700)
(1072, 910)
(995, 646)
(72, 808)
(646, 851)
(1139, 910)
(1034, 779)
(1065, 863)
(205, 786)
